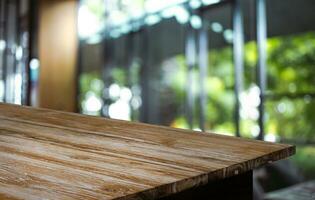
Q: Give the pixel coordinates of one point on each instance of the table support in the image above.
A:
(235, 187)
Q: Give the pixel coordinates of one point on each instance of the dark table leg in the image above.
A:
(236, 187)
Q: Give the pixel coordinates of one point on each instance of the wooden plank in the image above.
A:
(58, 155)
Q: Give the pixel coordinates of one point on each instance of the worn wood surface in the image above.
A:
(46, 154)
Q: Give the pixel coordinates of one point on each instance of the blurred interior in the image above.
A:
(237, 67)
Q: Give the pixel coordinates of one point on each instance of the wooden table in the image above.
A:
(46, 154)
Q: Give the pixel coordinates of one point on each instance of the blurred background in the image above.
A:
(236, 67)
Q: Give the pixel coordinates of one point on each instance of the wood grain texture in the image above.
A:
(46, 154)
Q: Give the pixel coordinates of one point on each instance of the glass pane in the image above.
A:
(290, 71)
(173, 92)
(220, 77)
(291, 46)
(90, 79)
(291, 119)
(164, 74)
(220, 88)
(249, 97)
(291, 63)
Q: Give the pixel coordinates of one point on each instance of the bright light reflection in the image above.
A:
(216, 27)
(19, 53)
(92, 104)
(181, 14)
(114, 91)
(117, 18)
(270, 137)
(209, 2)
(281, 107)
(194, 4)
(34, 64)
(1, 90)
(136, 14)
(87, 23)
(125, 94)
(18, 89)
(2, 45)
(125, 28)
(255, 129)
(228, 35)
(119, 110)
(95, 39)
(152, 19)
(249, 102)
(136, 102)
(196, 22)
(168, 12)
(114, 33)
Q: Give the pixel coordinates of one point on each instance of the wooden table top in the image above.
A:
(46, 154)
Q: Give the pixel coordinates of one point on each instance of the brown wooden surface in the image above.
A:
(45, 154)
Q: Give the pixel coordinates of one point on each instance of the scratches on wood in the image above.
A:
(47, 154)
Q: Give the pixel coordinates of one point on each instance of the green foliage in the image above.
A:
(291, 63)
(304, 158)
(91, 82)
(291, 118)
(96, 7)
(90, 85)
(291, 69)
(220, 91)
(219, 87)
(119, 76)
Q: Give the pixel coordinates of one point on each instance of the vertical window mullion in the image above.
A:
(203, 67)
(262, 57)
(238, 56)
(190, 52)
